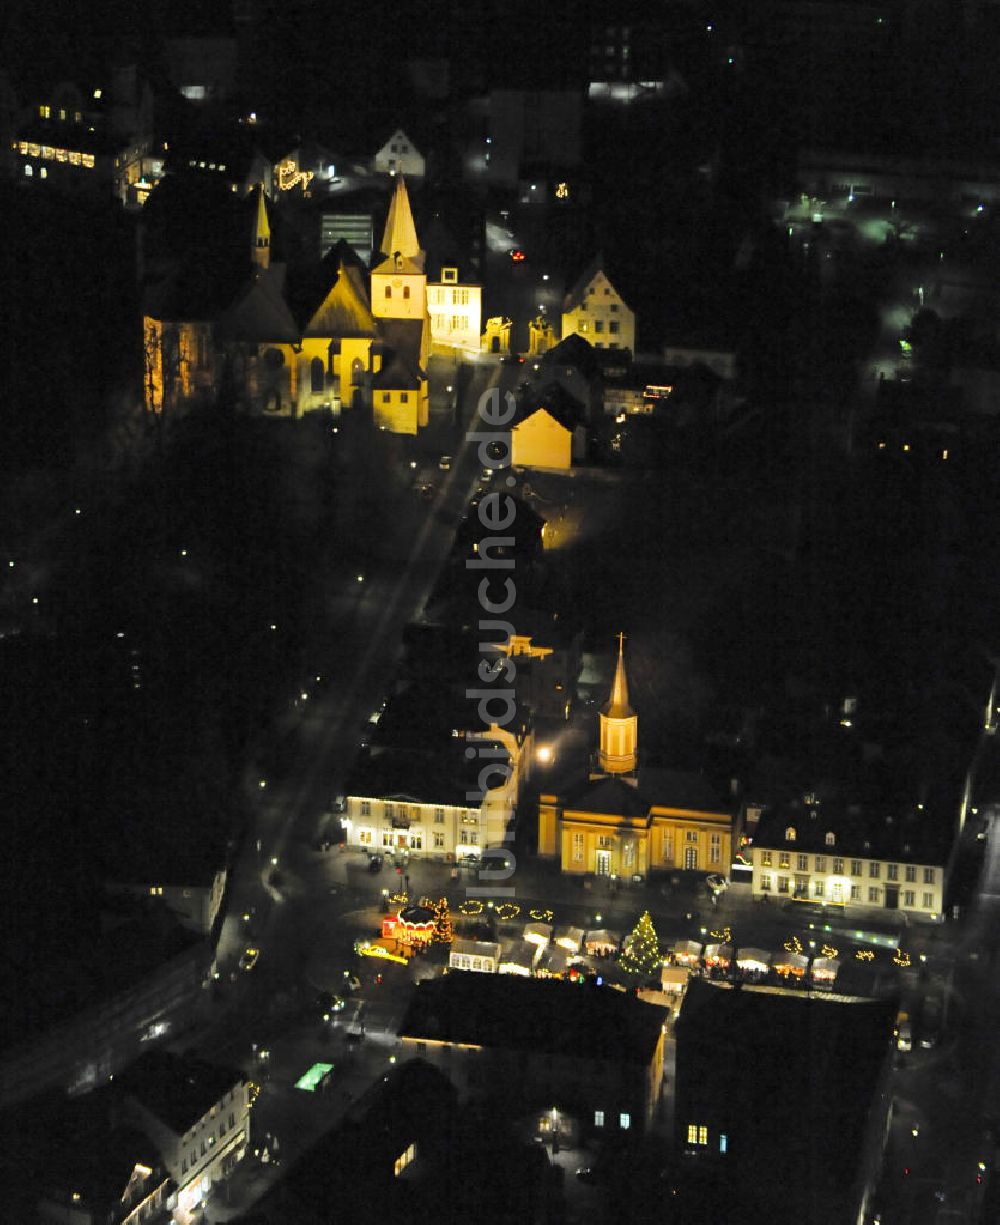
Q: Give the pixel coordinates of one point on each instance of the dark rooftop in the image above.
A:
(545, 1016)
(420, 776)
(176, 1089)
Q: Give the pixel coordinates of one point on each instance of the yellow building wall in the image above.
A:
(396, 306)
(547, 824)
(391, 412)
(593, 830)
(541, 442)
(678, 826)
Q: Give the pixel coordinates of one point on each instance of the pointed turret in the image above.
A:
(261, 252)
(619, 745)
(400, 237)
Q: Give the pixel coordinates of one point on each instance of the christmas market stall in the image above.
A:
(753, 961)
(602, 943)
(824, 972)
(538, 933)
(687, 953)
(790, 965)
(570, 939)
(520, 958)
(553, 963)
(718, 956)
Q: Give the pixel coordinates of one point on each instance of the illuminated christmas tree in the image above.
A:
(443, 933)
(641, 955)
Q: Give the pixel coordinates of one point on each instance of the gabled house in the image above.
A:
(399, 155)
(549, 430)
(594, 309)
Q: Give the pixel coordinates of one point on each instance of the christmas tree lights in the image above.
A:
(642, 951)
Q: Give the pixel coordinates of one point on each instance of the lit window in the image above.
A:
(723, 1143)
(790, 834)
(624, 1120)
(831, 838)
(598, 1118)
(404, 1159)
(29, 171)
(765, 882)
(62, 114)
(692, 1133)
(784, 860)
(88, 160)
(43, 173)
(78, 117)
(765, 859)
(45, 112)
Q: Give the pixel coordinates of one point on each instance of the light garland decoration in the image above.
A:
(472, 907)
(508, 910)
(398, 899)
(725, 936)
(794, 945)
(289, 175)
(864, 955)
(641, 954)
(901, 959)
(829, 951)
(541, 916)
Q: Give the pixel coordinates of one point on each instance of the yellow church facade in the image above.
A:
(625, 822)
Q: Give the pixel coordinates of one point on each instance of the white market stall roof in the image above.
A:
(790, 961)
(538, 933)
(719, 953)
(601, 938)
(688, 949)
(519, 959)
(675, 978)
(569, 938)
(753, 959)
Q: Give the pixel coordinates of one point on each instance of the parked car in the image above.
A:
(444, 463)
(375, 863)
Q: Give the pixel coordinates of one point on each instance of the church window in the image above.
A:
(406, 292)
(317, 375)
(578, 848)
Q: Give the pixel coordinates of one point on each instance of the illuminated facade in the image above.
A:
(540, 441)
(629, 822)
(197, 1114)
(595, 310)
(456, 313)
(496, 335)
(399, 155)
(821, 853)
(345, 352)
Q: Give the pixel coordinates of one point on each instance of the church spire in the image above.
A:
(261, 252)
(400, 237)
(619, 744)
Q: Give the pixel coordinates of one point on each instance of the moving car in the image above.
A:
(716, 882)
(444, 463)
(249, 957)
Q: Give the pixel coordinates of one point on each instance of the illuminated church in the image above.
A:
(625, 821)
(331, 346)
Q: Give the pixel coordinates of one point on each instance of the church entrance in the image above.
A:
(603, 863)
(691, 858)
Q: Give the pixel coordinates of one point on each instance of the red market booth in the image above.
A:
(718, 956)
(790, 965)
(687, 953)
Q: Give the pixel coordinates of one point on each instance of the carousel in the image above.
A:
(413, 926)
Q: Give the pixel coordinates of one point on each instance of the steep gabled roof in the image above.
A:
(561, 406)
(577, 293)
(400, 233)
(260, 314)
(345, 310)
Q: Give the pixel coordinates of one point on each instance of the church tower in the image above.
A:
(399, 283)
(619, 743)
(261, 248)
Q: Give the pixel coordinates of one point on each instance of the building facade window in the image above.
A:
(855, 867)
(715, 849)
(624, 1120)
(578, 848)
(892, 871)
(439, 816)
(820, 863)
(831, 838)
(598, 1118)
(366, 808)
(765, 859)
(911, 874)
(818, 888)
(838, 867)
(404, 1159)
(855, 893)
(438, 840)
(874, 895)
(784, 860)
(874, 870)
(668, 846)
(406, 292)
(909, 897)
(388, 292)
(723, 1143)
(782, 884)
(928, 901)
(790, 834)
(802, 863)
(765, 882)
(691, 858)
(929, 876)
